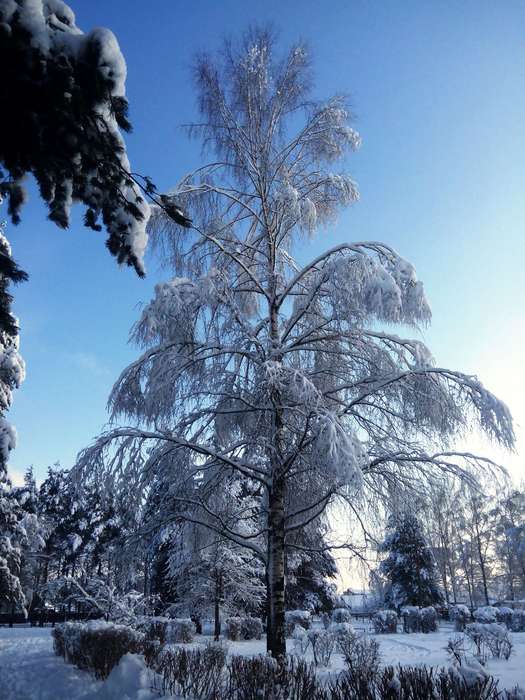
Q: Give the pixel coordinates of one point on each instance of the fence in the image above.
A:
(46, 616)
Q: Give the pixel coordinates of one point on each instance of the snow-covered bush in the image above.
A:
(322, 643)
(411, 619)
(428, 619)
(96, 646)
(460, 616)
(243, 628)
(340, 629)
(297, 617)
(490, 639)
(208, 673)
(470, 673)
(361, 654)
(233, 628)
(262, 677)
(326, 620)
(456, 648)
(517, 621)
(516, 693)
(385, 622)
(154, 628)
(195, 673)
(180, 630)
(421, 682)
(300, 639)
(341, 615)
(486, 614)
(251, 628)
(465, 668)
(174, 630)
(504, 616)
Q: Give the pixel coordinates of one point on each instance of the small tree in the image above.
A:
(310, 572)
(509, 531)
(208, 572)
(11, 592)
(409, 566)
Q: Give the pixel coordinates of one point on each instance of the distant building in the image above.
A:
(358, 601)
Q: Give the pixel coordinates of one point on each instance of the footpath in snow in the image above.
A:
(29, 669)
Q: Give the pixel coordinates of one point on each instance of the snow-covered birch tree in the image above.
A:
(289, 375)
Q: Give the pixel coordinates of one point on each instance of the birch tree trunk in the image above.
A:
(276, 639)
(217, 623)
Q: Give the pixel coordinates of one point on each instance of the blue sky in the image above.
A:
(438, 93)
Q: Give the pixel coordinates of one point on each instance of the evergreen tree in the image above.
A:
(30, 535)
(11, 593)
(409, 567)
(509, 534)
(310, 572)
(12, 372)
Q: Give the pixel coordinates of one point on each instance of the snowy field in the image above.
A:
(29, 670)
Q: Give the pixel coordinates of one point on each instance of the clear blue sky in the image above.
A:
(438, 92)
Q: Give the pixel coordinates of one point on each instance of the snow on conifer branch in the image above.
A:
(66, 109)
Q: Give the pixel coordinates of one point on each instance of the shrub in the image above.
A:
(486, 614)
(325, 619)
(456, 648)
(296, 617)
(504, 616)
(195, 673)
(341, 629)
(341, 615)
(154, 628)
(460, 616)
(180, 630)
(59, 639)
(243, 628)
(516, 693)
(411, 619)
(251, 628)
(322, 643)
(96, 646)
(465, 666)
(360, 653)
(428, 619)
(413, 683)
(300, 639)
(261, 677)
(385, 622)
(517, 621)
(208, 675)
(490, 640)
(233, 628)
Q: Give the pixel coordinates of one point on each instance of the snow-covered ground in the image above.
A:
(29, 670)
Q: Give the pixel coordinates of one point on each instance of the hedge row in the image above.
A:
(207, 674)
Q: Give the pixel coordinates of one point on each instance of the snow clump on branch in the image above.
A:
(68, 89)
